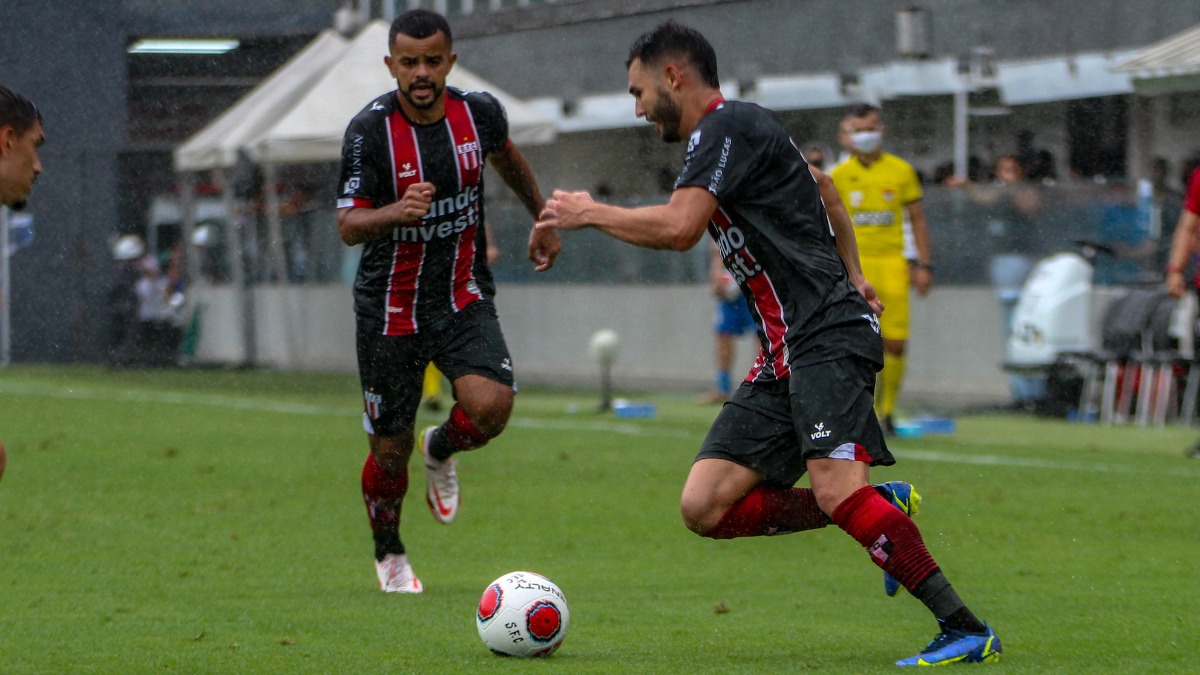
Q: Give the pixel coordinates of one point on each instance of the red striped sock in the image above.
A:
(383, 493)
(889, 535)
(456, 433)
(766, 511)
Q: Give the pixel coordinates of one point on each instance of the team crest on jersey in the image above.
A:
(468, 155)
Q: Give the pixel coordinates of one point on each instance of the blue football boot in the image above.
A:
(904, 497)
(952, 646)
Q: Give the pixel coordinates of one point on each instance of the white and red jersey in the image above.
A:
(432, 268)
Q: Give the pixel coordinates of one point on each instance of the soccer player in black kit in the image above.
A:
(411, 191)
(806, 405)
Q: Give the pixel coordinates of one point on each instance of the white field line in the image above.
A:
(625, 429)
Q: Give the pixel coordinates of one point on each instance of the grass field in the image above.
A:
(211, 522)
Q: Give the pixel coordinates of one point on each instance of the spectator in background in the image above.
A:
(1121, 228)
(123, 300)
(1010, 206)
(1038, 162)
(158, 334)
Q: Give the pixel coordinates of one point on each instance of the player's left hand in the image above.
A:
(564, 211)
(544, 245)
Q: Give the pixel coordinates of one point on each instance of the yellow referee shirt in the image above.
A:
(875, 197)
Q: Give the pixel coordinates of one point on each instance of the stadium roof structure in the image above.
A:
(242, 125)
(1061, 78)
(1166, 66)
(311, 130)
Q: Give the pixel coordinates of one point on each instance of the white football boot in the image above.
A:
(441, 483)
(396, 575)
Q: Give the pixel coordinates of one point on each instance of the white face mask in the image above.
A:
(866, 141)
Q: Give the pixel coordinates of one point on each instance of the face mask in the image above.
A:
(866, 141)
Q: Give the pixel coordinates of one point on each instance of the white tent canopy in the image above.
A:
(312, 130)
(242, 125)
(1171, 65)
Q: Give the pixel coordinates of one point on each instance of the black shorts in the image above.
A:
(822, 410)
(391, 368)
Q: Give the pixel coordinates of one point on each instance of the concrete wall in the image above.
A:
(666, 336)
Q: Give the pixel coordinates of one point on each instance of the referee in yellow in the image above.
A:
(879, 190)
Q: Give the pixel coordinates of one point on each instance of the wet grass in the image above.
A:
(211, 522)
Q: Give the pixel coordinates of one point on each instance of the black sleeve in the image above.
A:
(490, 120)
(362, 182)
(719, 157)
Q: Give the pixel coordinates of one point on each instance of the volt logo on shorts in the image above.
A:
(506, 364)
(821, 431)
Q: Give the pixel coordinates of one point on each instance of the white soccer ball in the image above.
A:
(522, 614)
(604, 345)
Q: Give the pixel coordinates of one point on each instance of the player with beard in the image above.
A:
(807, 404)
(411, 192)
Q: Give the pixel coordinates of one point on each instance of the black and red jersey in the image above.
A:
(432, 268)
(775, 239)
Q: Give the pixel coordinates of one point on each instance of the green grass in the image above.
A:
(211, 522)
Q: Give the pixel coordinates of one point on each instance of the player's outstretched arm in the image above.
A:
(676, 225)
(359, 225)
(544, 245)
(843, 236)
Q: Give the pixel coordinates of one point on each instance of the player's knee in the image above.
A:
(699, 515)
(391, 452)
(829, 497)
(489, 413)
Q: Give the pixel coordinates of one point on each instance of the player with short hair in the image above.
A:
(882, 194)
(411, 191)
(21, 135)
(806, 406)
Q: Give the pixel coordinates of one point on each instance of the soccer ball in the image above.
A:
(522, 614)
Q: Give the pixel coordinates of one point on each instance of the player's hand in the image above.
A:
(922, 279)
(544, 245)
(414, 203)
(868, 292)
(1175, 284)
(564, 211)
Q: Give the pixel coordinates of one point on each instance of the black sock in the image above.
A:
(387, 543)
(939, 596)
(439, 446)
